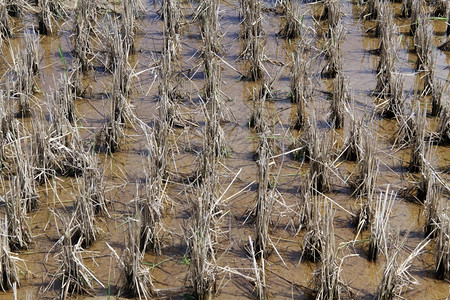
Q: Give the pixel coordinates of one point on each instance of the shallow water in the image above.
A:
(287, 277)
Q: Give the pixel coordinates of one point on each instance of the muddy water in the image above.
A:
(286, 276)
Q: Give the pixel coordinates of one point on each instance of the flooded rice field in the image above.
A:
(224, 149)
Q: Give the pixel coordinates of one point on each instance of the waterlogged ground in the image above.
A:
(286, 275)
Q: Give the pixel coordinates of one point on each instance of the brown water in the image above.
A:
(287, 278)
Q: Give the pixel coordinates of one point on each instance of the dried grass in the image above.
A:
(313, 240)
(303, 144)
(339, 100)
(84, 27)
(135, 279)
(379, 229)
(441, 7)
(112, 133)
(58, 148)
(92, 186)
(49, 12)
(365, 181)
(432, 204)
(389, 82)
(437, 98)
(127, 25)
(333, 8)
(261, 292)
(25, 65)
(443, 127)
(171, 14)
(19, 233)
(252, 33)
(25, 176)
(8, 261)
(406, 8)
(300, 83)
(208, 14)
(250, 12)
(257, 117)
(82, 228)
(327, 277)
(385, 19)
(370, 11)
(200, 240)
(333, 53)
(423, 44)
(442, 252)
(293, 20)
(74, 276)
(6, 30)
(352, 149)
(417, 12)
(266, 197)
(150, 206)
(321, 165)
(396, 275)
(417, 141)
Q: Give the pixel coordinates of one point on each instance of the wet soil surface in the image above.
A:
(287, 275)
